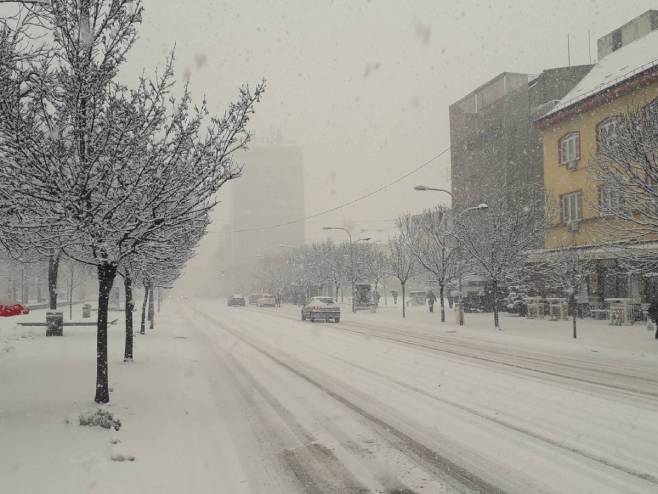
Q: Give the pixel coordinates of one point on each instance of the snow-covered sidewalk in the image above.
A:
(172, 425)
(592, 334)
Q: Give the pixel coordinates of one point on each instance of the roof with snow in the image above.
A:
(629, 61)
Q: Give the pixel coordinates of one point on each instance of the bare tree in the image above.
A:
(402, 264)
(432, 241)
(375, 264)
(130, 166)
(626, 171)
(565, 267)
(497, 238)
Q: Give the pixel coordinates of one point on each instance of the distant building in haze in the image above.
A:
(266, 203)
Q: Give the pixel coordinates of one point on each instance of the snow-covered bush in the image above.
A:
(100, 417)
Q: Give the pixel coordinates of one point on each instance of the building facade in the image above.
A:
(494, 146)
(625, 78)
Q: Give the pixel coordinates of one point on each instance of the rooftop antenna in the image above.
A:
(569, 49)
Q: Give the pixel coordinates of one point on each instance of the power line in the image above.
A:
(343, 205)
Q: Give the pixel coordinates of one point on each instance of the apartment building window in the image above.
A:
(570, 150)
(610, 201)
(607, 132)
(571, 208)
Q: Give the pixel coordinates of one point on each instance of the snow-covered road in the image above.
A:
(245, 400)
(396, 406)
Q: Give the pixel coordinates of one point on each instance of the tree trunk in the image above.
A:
(572, 303)
(443, 309)
(71, 292)
(494, 289)
(151, 307)
(53, 269)
(130, 305)
(106, 274)
(404, 304)
(142, 327)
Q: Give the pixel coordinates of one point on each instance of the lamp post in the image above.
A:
(424, 188)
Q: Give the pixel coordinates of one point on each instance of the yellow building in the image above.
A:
(625, 78)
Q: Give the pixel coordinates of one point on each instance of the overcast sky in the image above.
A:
(364, 86)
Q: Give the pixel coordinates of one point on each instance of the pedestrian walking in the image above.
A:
(652, 312)
(431, 298)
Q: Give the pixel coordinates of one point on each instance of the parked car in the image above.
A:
(253, 299)
(11, 308)
(236, 300)
(266, 300)
(321, 308)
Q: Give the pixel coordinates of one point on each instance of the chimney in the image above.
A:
(629, 32)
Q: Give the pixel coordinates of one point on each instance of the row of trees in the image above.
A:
(438, 244)
(118, 178)
(326, 264)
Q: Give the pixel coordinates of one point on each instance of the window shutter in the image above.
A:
(577, 145)
(563, 216)
(579, 206)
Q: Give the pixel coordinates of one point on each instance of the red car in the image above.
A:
(8, 309)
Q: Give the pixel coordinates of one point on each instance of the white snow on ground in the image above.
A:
(172, 425)
(235, 400)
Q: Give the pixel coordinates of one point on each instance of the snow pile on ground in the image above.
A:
(121, 457)
(10, 332)
(100, 417)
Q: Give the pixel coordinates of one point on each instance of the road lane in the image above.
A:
(495, 425)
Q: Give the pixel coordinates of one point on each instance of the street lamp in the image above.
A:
(424, 188)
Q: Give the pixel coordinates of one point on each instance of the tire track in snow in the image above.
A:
(434, 344)
(314, 466)
(522, 430)
(440, 465)
(647, 477)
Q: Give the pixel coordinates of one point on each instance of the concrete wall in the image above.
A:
(495, 145)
